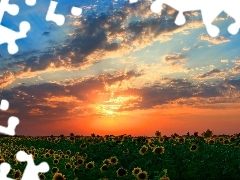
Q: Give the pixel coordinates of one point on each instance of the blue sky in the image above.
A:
(119, 61)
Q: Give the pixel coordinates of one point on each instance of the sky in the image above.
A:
(119, 68)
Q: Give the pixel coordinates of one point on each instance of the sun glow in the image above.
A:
(114, 105)
(104, 109)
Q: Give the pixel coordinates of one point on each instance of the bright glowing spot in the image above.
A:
(112, 106)
(106, 109)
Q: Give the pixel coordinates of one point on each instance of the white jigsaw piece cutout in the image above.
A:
(133, 1)
(59, 19)
(209, 10)
(4, 170)
(8, 35)
(76, 11)
(31, 171)
(12, 121)
(4, 105)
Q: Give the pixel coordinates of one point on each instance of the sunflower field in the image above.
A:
(198, 157)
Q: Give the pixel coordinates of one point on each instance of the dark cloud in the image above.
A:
(90, 42)
(207, 74)
(234, 82)
(160, 95)
(174, 58)
(93, 35)
(24, 99)
(120, 76)
(46, 33)
(44, 103)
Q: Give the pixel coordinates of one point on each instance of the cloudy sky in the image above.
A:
(119, 68)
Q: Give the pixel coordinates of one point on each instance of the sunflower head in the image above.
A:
(232, 139)
(135, 171)
(225, 141)
(90, 165)
(158, 150)
(181, 140)
(72, 139)
(83, 146)
(42, 176)
(143, 150)
(59, 176)
(113, 160)
(47, 155)
(121, 172)
(161, 139)
(220, 139)
(55, 161)
(68, 152)
(80, 161)
(107, 162)
(164, 178)
(211, 141)
(51, 151)
(193, 148)
(55, 170)
(104, 168)
(142, 175)
(68, 165)
(17, 174)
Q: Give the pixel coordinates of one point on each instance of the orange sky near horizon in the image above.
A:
(178, 120)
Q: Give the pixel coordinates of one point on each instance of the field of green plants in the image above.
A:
(198, 157)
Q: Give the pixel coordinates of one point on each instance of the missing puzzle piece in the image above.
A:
(209, 10)
(4, 105)
(12, 121)
(9, 36)
(31, 171)
(59, 19)
(133, 1)
(4, 170)
(12, 9)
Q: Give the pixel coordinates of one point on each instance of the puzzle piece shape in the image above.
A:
(7, 35)
(4, 105)
(59, 19)
(12, 9)
(4, 170)
(12, 121)
(31, 171)
(76, 11)
(30, 2)
(133, 1)
(209, 9)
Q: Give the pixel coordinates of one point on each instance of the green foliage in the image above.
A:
(219, 160)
